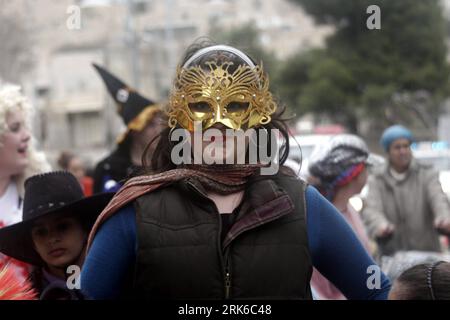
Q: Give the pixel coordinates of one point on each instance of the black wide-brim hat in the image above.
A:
(48, 194)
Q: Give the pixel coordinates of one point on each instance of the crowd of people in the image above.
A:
(147, 226)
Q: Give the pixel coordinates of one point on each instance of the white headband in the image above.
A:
(235, 51)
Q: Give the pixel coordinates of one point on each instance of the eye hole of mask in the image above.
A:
(237, 107)
(200, 107)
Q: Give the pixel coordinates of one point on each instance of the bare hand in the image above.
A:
(385, 231)
(442, 225)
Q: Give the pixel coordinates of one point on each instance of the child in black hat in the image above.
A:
(52, 236)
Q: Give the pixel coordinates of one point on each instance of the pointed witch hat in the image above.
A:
(135, 109)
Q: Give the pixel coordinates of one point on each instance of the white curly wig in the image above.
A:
(11, 99)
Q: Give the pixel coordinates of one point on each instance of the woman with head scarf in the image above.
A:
(339, 171)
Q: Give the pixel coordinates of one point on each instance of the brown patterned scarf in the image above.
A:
(223, 179)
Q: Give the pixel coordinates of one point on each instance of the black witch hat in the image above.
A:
(130, 102)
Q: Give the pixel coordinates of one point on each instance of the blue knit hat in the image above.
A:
(393, 133)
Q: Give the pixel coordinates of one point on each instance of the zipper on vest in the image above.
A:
(227, 276)
(224, 261)
(227, 284)
(225, 265)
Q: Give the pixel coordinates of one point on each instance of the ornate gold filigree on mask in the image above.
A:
(239, 99)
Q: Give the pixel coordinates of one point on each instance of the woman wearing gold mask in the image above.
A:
(222, 230)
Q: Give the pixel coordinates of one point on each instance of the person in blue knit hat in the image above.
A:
(393, 133)
(406, 208)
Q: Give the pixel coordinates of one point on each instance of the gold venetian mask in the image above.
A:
(238, 99)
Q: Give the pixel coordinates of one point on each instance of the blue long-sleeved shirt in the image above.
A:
(336, 253)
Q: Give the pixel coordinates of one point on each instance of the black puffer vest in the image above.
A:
(265, 255)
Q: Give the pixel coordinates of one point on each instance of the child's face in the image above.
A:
(59, 240)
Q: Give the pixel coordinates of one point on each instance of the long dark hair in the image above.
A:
(160, 160)
(413, 283)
